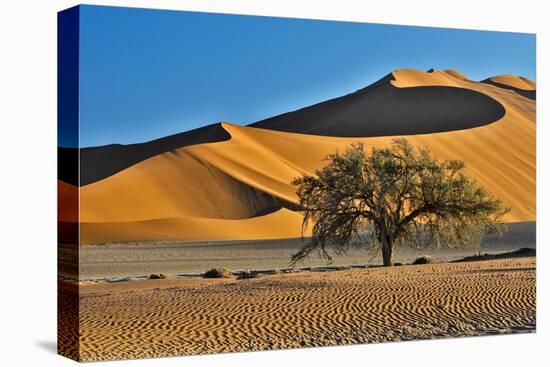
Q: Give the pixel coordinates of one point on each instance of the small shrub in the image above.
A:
(218, 273)
(426, 259)
(161, 276)
(525, 251)
(247, 274)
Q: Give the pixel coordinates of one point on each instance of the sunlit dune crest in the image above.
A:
(521, 85)
(515, 81)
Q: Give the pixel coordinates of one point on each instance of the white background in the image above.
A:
(28, 182)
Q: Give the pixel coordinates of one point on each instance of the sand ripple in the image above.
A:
(158, 318)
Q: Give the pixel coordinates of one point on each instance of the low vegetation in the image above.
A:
(247, 274)
(218, 273)
(426, 259)
(161, 276)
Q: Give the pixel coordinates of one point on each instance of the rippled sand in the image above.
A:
(156, 318)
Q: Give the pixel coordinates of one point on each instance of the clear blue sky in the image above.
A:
(145, 74)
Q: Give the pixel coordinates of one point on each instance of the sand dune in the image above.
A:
(67, 213)
(453, 73)
(514, 81)
(248, 175)
(176, 317)
(522, 86)
(104, 161)
(382, 109)
(376, 110)
(283, 223)
(67, 202)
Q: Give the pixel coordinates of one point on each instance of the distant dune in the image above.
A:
(216, 189)
(514, 81)
(522, 86)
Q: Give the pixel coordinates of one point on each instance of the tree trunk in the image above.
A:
(387, 252)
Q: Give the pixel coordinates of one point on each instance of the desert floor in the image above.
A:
(155, 318)
(142, 259)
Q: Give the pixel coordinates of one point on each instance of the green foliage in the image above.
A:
(426, 259)
(396, 195)
(218, 273)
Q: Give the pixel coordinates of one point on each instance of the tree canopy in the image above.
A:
(393, 196)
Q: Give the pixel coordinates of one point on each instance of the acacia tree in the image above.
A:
(394, 196)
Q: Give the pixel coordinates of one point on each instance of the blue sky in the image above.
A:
(145, 74)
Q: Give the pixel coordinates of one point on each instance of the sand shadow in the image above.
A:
(48, 345)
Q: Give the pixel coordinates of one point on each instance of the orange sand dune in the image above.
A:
(283, 223)
(515, 81)
(199, 187)
(67, 202)
(521, 85)
(529, 82)
(454, 73)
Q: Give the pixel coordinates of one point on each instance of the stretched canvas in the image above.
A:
(233, 183)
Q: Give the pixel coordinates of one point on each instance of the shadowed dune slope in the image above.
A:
(100, 162)
(383, 109)
(67, 165)
(522, 86)
(187, 193)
